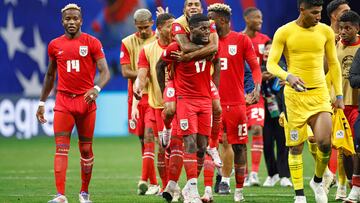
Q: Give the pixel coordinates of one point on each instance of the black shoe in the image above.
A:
(218, 180)
(224, 188)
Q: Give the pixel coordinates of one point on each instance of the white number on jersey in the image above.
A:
(73, 64)
(258, 114)
(242, 130)
(223, 63)
(200, 65)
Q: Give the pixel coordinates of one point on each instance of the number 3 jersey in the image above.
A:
(76, 62)
(192, 79)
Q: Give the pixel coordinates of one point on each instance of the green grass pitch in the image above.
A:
(26, 173)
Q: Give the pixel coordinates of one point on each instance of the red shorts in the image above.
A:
(72, 109)
(169, 92)
(234, 124)
(158, 123)
(214, 91)
(145, 117)
(194, 116)
(256, 113)
(351, 113)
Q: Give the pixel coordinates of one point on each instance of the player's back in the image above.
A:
(232, 59)
(76, 62)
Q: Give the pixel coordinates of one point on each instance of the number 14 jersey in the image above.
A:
(76, 62)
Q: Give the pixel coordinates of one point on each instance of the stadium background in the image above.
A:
(26, 27)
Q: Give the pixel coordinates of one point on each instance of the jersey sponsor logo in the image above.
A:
(122, 54)
(340, 134)
(83, 51)
(261, 48)
(132, 124)
(184, 124)
(294, 135)
(170, 92)
(232, 50)
(60, 52)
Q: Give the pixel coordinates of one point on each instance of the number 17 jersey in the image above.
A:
(192, 79)
(76, 62)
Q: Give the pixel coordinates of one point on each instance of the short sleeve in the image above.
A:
(166, 55)
(51, 51)
(176, 28)
(97, 49)
(124, 55)
(143, 62)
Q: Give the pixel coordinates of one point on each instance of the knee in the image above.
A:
(190, 147)
(311, 139)
(239, 148)
(169, 110)
(86, 150)
(324, 145)
(256, 130)
(201, 150)
(149, 135)
(217, 110)
(295, 150)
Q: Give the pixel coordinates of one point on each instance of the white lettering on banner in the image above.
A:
(18, 117)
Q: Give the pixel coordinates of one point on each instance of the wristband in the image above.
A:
(339, 97)
(41, 103)
(287, 77)
(97, 88)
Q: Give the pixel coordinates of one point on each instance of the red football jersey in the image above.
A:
(234, 49)
(259, 44)
(76, 62)
(192, 79)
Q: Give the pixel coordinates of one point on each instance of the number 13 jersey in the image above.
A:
(76, 62)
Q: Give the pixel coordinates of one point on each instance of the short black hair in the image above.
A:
(249, 10)
(310, 3)
(268, 42)
(162, 18)
(197, 18)
(333, 5)
(350, 16)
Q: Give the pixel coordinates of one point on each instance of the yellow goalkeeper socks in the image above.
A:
(313, 149)
(296, 171)
(321, 161)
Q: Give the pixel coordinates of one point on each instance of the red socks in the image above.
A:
(256, 152)
(148, 165)
(161, 165)
(61, 162)
(176, 158)
(190, 165)
(239, 175)
(86, 162)
(209, 168)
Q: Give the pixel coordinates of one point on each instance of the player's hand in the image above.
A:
(40, 114)
(134, 114)
(248, 99)
(138, 92)
(282, 83)
(267, 76)
(180, 56)
(160, 10)
(296, 83)
(255, 96)
(91, 95)
(339, 104)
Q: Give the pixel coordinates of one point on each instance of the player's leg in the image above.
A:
(321, 125)
(341, 188)
(240, 157)
(282, 153)
(269, 154)
(295, 160)
(216, 119)
(209, 168)
(354, 195)
(168, 112)
(63, 125)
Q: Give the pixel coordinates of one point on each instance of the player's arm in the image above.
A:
(185, 44)
(125, 62)
(134, 109)
(334, 69)
(47, 87)
(216, 74)
(143, 70)
(355, 71)
(251, 59)
(160, 73)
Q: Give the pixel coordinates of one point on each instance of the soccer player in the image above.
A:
(349, 26)
(130, 49)
(304, 42)
(354, 195)
(235, 49)
(181, 32)
(334, 10)
(255, 112)
(74, 56)
(149, 55)
(193, 102)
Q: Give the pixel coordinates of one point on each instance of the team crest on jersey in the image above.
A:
(294, 135)
(170, 92)
(184, 124)
(340, 134)
(83, 50)
(232, 50)
(132, 124)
